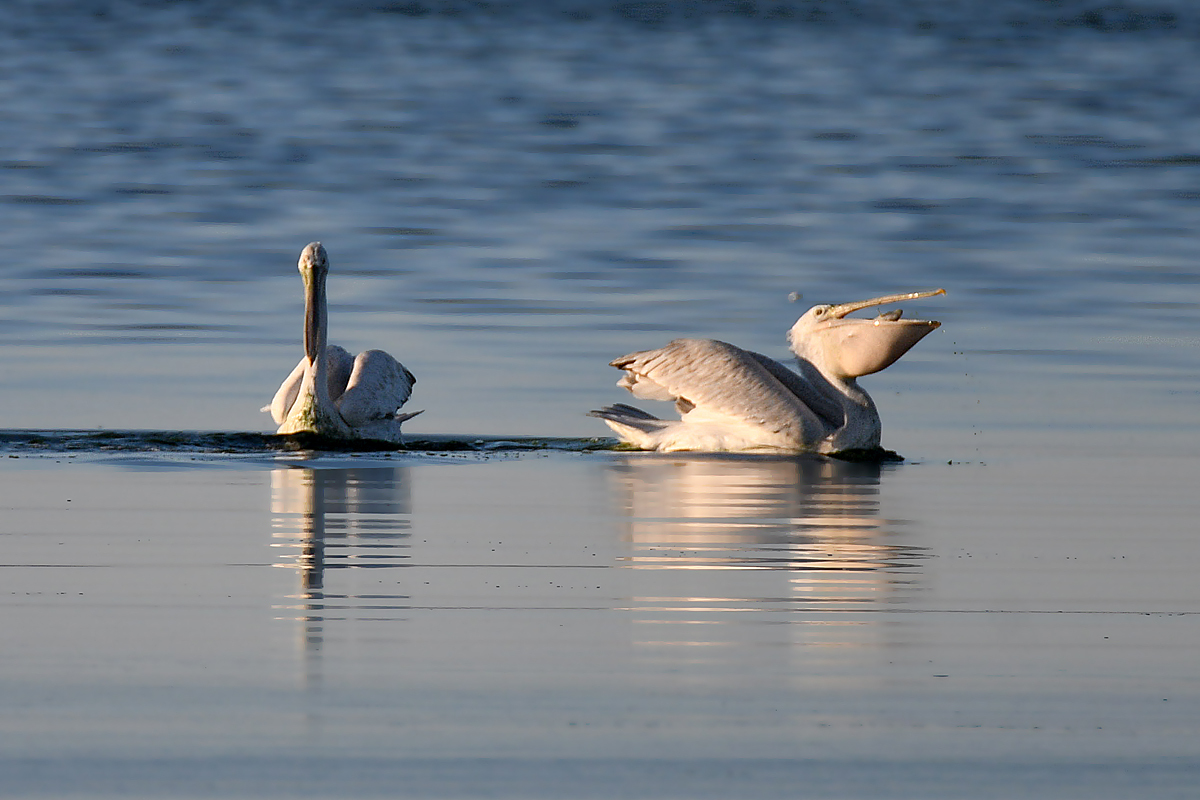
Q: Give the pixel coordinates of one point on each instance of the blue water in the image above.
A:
(512, 198)
(596, 624)
(512, 194)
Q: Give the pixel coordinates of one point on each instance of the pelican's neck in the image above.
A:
(859, 426)
(314, 335)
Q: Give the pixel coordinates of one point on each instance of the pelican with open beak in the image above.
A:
(731, 399)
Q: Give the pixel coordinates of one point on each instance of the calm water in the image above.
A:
(510, 199)
(598, 625)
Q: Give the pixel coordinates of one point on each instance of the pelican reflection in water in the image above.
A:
(791, 540)
(731, 399)
(331, 394)
(363, 512)
(809, 515)
(355, 520)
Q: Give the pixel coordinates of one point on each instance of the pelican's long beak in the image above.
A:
(312, 317)
(854, 347)
(843, 309)
(314, 266)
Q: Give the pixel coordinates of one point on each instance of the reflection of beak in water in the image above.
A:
(709, 526)
(330, 519)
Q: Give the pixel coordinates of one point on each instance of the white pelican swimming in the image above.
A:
(735, 400)
(331, 394)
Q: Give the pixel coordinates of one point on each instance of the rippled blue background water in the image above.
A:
(513, 195)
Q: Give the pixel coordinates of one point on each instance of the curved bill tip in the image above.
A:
(916, 295)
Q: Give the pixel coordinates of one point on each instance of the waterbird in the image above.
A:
(734, 400)
(329, 393)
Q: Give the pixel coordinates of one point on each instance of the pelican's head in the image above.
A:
(847, 348)
(313, 261)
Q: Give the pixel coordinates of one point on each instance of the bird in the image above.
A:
(734, 400)
(331, 394)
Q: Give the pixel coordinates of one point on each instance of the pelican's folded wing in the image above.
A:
(339, 365)
(713, 379)
(823, 405)
(285, 395)
(378, 386)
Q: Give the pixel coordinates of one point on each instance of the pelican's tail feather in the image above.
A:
(407, 415)
(632, 425)
(628, 415)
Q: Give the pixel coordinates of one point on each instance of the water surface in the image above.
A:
(511, 202)
(511, 197)
(599, 624)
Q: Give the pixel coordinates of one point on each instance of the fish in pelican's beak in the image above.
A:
(844, 347)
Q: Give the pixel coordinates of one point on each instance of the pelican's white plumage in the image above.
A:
(329, 393)
(731, 399)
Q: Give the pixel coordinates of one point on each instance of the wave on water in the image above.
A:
(15, 442)
(49, 442)
(953, 17)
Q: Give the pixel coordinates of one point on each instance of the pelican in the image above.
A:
(731, 399)
(331, 394)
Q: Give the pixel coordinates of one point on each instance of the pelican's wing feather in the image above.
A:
(285, 396)
(339, 364)
(823, 405)
(378, 386)
(719, 380)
